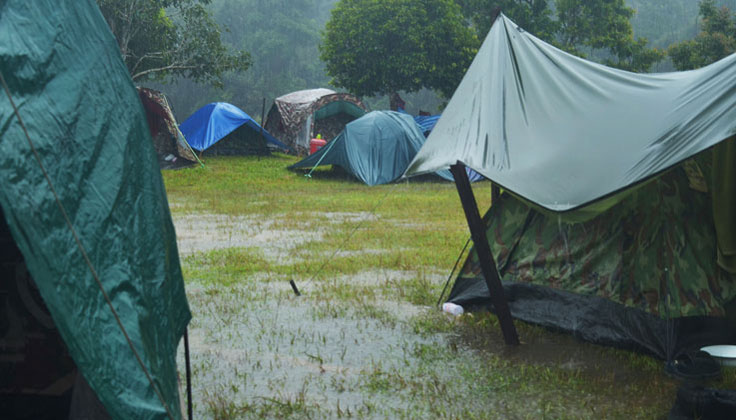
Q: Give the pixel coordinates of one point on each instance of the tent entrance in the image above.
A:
(38, 378)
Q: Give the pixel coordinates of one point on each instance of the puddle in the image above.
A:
(207, 232)
(250, 343)
(348, 346)
(348, 217)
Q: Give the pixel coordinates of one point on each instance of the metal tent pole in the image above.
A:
(487, 263)
(190, 413)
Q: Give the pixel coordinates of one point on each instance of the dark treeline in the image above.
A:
(282, 37)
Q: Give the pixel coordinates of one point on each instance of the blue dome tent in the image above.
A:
(220, 128)
(376, 148)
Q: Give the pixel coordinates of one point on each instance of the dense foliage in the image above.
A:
(382, 46)
(597, 29)
(535, 16)
(282, 37)
(167, 38)
(716, 40)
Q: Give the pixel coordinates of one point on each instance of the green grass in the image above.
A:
(369, 260)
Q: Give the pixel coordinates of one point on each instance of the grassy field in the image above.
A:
(365, 339)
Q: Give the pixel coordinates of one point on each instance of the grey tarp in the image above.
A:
(64, 72)
(376, 148)
(562, 132)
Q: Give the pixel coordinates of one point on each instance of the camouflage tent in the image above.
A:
(642, 274)
(299, 116)
(172, 149)
(619, 218)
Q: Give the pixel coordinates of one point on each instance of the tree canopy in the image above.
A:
(716, 40)
(383, 46)
(535, 16)
(598, 29)
(159, 39)
(281, 37)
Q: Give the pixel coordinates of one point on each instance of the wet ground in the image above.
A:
(348, 347)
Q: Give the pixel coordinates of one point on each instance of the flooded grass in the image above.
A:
(364, 340)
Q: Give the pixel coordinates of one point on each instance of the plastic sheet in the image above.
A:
(563, 132)
(81, 111)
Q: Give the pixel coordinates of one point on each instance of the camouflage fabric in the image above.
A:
(330, 127)
(655, 250)
(167, 139)
(724, 202)
(290, 114)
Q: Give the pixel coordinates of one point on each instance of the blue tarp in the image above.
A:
(214, 121)
(376, 148)
(426, 122)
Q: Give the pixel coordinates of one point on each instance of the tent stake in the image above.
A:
(487, 263)
(190, 413)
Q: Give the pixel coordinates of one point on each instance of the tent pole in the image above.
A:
(487, 263)
(190, 413)
(263, 113)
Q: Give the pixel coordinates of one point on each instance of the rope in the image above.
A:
(453, 271)
(345, 241)
(82, 250)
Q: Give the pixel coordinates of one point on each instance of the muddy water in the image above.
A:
(251, 343)
(258, 351)
(206, 232)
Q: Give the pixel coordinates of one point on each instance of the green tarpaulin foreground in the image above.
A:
(83, 116)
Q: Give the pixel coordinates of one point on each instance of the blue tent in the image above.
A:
(376, 148)
(426, 122)
(213, 122)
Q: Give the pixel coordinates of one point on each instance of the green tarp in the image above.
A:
(75, 97)
(607, 228)
(563, 132)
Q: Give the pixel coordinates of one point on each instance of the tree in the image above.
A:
(604, 25)
(597, 28)
(282, 38)
(159, 39)
(716, 40)
(383, 46)
(534, 16)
